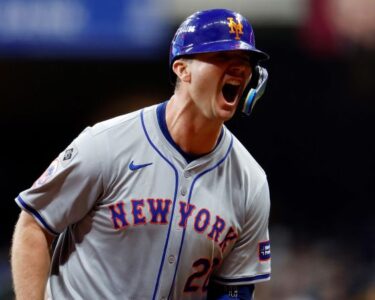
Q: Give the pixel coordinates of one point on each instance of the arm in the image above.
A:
(30, 258)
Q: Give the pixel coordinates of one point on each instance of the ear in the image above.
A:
(181, 68)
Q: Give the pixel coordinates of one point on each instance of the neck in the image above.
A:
(191, 131)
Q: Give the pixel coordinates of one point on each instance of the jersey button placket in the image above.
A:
(171, 259)
(185, 182)
(175, 238)
(183, 191)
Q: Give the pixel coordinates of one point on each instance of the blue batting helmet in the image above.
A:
(212, 31)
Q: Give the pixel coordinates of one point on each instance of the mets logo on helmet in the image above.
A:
(235, 27)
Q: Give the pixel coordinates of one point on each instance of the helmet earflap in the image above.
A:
(254, 89)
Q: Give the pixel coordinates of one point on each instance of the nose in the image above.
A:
(239, 69)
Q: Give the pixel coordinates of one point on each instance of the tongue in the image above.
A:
(230, 92)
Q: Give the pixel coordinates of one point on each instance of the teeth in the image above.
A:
(234, 82)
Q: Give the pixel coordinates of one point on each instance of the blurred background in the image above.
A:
(67, 64)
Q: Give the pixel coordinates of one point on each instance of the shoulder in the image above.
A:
(120, 124)
(111, 134)
(109, 142)
(115, 123)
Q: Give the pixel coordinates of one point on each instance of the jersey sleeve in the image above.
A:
(250, 258)
(69, 187)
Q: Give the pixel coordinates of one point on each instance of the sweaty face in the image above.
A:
(217, 82)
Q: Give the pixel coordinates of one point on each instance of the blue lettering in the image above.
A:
(159, 210)
(217, 229)
(137, 212)
(118, 215)
(202, 215)
(185, 212)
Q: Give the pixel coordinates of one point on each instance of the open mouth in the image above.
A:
(230, 92)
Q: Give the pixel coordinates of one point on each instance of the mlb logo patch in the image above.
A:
(264, 251)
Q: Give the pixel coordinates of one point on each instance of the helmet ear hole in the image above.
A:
(254, 77)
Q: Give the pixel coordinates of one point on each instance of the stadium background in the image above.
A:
(65, 65)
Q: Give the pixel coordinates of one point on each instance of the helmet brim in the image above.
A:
(224, 45)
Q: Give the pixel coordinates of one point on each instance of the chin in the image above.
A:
(225, 115)
(224, 110)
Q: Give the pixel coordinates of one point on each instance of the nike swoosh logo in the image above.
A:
(134, 167)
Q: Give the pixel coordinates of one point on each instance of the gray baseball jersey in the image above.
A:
(137, 221)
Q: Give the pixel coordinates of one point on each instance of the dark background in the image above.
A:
(312, 132)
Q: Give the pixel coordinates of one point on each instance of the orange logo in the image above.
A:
(235, 27)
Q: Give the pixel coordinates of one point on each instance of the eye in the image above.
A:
(222, 56)
(244, 60)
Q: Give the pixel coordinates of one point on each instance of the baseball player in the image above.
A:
(160, 203)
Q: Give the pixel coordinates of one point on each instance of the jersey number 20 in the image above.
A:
(204, 268)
